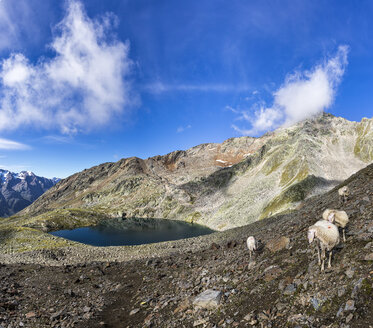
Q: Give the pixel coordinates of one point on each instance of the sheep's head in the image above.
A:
(311, 235)
(331, 217)
(344, 191)
(251, 243)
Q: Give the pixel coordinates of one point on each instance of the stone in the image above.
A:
(341, 291)
(248, 317)
(281, 306)
(290, 289)
(86, 309)
(350, 305)
(214, 246)
(278, 244)
(350, 272)
(31, 314)
(271, 273)
(368, 245)
(208, 299)
(349, 317)
(284, 282)
(357, 287)
(368, 257)
(315, 303)
(134, 311)
(199, 322)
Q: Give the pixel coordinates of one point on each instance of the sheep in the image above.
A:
(251, 245)
(328, 237)
(344, 193)
(339, 218)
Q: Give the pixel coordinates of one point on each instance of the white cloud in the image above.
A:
(82, 86)
(159, 87)
(12, 145)
(303, 94)
(8, 29)
(183, 128)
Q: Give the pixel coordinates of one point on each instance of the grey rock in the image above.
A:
(134, 311)
(350, 272)
(350, 305)
(86, 309)
(340, 311)
(208, 299)
(290, 289)
(368, 257)
(315, 303)
(368, 245)
(357, 287)
(341, 291)
(349, 317)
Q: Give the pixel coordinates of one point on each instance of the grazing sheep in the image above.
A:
(251, 245)
(343, 193)
(327, 235)
(339, 218)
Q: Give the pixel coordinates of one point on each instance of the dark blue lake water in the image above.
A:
(120, 232)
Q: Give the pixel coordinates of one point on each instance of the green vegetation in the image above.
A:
(295, 170)
(193, 217)
(295, 193)
(363, 147)
(275, 159)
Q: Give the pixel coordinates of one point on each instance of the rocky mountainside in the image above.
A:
(161, 285)
(221, 185)
(18, 190)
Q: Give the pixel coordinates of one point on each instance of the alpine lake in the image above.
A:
(133, 231)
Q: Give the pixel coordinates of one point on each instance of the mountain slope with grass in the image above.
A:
(221, 185)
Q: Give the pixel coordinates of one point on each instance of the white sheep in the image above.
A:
(251, 245)
(339, 218)
(327, 235)
(344, 193)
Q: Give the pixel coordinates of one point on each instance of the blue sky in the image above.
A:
(87, 82)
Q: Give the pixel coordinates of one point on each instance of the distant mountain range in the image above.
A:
(221, 185)
(18, 190)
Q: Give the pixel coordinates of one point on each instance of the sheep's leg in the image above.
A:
(322, 259)
(330, 259)
(344, 235)
(318, 254)
(250, 255)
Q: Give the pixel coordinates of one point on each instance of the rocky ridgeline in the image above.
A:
(19, 190)
(211, 284)
(220, 185)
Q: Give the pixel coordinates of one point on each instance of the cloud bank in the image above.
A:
(82, 86)
(12, 145)
(302, 95)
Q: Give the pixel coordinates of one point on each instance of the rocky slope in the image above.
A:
(281, 287)
(19, 190)
(220, 185)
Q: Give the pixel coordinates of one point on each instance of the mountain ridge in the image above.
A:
(221, 185)
(18, 190)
